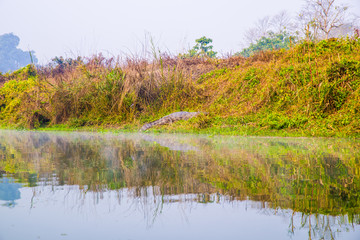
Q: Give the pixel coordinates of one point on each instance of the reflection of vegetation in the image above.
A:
(309, 180)
(316, 177)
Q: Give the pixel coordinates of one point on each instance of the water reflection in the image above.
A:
(313, 184)
(9, 191)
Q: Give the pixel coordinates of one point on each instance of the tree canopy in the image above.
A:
(11, 57)
(271, 42)
(202, 48)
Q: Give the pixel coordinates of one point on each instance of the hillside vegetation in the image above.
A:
(310, 90)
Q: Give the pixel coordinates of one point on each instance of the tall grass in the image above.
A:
(311, 89)
(98, 90)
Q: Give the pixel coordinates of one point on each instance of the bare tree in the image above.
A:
(321, 17)
(306, 23)
(251, 35)
(281, 22)
(262, 27)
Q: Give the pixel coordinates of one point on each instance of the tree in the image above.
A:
(202, 48)
(281, 22)
(320, 18)
(271, 42)
(261, 28)
(11, 57)
(270, 33)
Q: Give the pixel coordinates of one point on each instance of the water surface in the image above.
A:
(142, 186)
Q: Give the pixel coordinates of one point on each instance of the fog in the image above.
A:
(84, 27)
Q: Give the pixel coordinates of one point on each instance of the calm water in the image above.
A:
(143, 186)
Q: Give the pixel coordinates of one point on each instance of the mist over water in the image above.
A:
(61, 185)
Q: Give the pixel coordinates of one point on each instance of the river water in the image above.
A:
(70, 185)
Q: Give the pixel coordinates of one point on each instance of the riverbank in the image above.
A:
(309, 90)
(190, 128)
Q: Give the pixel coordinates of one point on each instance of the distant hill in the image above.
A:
(11, 57)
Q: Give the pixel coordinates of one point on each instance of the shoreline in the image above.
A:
(240, 132)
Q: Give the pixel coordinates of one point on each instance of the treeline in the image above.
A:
(317, 20)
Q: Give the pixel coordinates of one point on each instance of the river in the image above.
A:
(76, 185)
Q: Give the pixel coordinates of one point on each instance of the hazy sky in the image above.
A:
(82, 27)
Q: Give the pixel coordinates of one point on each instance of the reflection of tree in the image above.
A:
(9, 191)
(325, 226)
(314, 177)
(318, 226)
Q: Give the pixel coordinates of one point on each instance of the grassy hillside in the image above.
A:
(309, 90)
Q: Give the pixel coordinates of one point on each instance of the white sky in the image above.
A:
(83, 27)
